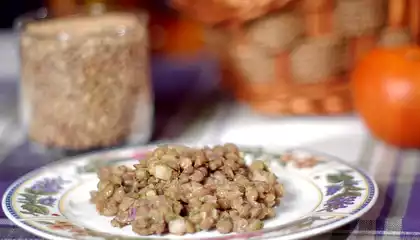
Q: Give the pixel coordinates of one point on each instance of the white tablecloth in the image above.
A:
(343, 137)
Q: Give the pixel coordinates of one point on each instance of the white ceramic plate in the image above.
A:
(53, 202)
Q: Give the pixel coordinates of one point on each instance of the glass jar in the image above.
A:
(85, 80)
(293, 57)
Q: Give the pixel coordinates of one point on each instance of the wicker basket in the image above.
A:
(294, 58)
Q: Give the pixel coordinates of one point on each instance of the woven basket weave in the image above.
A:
(293, 57)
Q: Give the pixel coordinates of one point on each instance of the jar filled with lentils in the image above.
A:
(85, 80)
(293, 57)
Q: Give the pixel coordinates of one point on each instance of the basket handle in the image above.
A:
(218, 11)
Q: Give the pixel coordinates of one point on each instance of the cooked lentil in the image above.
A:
(180, 190)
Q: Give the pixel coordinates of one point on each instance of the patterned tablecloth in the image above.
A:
(395, 216)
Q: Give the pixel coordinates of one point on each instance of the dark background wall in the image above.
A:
(10, 9)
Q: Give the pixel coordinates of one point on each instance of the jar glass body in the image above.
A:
(85, 80)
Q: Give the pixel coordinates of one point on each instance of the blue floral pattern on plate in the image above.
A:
(346, 194)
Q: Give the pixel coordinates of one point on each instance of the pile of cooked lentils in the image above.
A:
(179, 190)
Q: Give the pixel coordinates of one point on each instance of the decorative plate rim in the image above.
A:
(365, 206)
